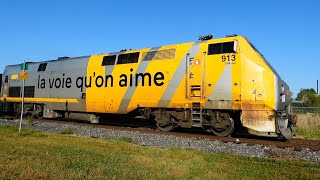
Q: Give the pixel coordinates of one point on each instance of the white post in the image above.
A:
(22, 95)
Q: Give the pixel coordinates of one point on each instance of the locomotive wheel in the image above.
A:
(37, 112)
(164, 121)
(166, 128)
(224, 127)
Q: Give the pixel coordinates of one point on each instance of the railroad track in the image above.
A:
(296, 144)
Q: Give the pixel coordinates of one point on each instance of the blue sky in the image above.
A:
(286, 32)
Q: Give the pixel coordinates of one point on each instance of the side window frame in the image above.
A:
(42, 67)
(122, 59)
(109, 60)
(222, 46)
(128, 58)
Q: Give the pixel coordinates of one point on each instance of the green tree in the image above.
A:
(309, 96)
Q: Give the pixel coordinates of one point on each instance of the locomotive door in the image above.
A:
(195, 79)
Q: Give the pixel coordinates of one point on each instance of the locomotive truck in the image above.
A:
(218, 84)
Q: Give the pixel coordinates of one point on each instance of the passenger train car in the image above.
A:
(218, 84)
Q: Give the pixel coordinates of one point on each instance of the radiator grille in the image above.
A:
(29, 91)
(159, 55)
(15, 91)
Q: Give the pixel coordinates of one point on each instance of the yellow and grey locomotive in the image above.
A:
(217, 84)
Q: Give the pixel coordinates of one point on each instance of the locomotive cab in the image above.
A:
(268, 95)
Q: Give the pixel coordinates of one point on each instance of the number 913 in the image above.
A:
(228, 58)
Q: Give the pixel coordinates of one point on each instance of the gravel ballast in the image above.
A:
(159, 140)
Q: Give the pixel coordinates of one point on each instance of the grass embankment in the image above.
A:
(34, 155)
(308, 126)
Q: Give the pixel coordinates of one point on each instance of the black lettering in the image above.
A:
(80, 85)
(158, 76)
(99, 84)
(51, 83)
(38, 81)
(123, 82)
(111, 79)
(142, 78)
(63, 80)
(131, 77)
(43, 84)
(86, 83)
(57, 84)
(233, 57)
(223, 58)
(68, 82)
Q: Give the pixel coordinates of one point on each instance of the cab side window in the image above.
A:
(221, 48)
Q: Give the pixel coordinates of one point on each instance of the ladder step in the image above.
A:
(196, 105)
(196, 113)
(197, 125)
(196, 87)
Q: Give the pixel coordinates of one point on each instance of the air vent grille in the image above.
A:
(159, 55)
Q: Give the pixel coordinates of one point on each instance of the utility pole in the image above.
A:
(317, 86)
(22, 95)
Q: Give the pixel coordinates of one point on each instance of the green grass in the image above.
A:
(35, 155)
(308, 126)
(125, 139)
(308, 133)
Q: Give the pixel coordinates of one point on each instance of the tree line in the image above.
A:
(309, 97)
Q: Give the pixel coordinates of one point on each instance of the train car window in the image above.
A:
(221, 48)
(14, 91)
(42, 67)
(109, 60)
(228, 47)
(128, 58)
(6, 80)
(133, 57)
(122, 59)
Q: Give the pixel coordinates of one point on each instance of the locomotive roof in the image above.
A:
(118, 52)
